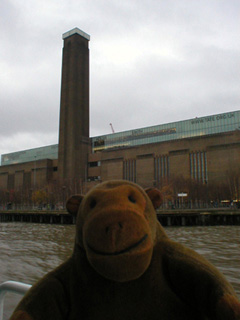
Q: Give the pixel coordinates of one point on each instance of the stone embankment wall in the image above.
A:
(166, 217)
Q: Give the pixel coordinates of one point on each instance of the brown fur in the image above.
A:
(21, 315)
(124, 267)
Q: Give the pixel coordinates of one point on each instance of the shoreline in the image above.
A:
(179, 217)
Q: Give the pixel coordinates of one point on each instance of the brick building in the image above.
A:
(206, 149)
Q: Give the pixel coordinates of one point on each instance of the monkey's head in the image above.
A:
(116, 226)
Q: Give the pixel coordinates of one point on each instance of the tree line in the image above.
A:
(54, 195)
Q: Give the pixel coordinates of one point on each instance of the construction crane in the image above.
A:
(112, 128)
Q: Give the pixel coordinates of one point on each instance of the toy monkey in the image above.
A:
(124, 267)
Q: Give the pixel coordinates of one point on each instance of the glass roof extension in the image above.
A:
(171, 131)
(218, 123)
(48, 152)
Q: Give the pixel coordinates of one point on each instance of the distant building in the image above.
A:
(204, 149)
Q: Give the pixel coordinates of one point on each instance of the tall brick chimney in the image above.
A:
(74, 108)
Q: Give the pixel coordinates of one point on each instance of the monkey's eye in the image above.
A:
(131, 199)
(93, 203)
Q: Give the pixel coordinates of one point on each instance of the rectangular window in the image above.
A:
(94, 178)
(205, 167)
(129, 170)
(94, 164)
(194, 166)
(191, 165)
(198, 166)
(161, 168)
(202, 168)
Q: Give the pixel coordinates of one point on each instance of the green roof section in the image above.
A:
(196, 127)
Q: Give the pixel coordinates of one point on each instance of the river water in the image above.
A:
(28, 251)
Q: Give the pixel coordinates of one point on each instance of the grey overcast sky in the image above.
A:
(151, 62)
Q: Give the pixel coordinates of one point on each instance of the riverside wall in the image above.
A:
(189, 217)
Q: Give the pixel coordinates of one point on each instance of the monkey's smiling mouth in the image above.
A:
(121, 251)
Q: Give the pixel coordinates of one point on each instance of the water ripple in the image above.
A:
(219, 244)
(28, 251)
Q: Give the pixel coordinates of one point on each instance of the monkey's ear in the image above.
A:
(155, 196)
(73, 204)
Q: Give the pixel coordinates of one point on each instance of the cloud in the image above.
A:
(151, 62)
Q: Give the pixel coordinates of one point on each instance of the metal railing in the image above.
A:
(14, 287)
